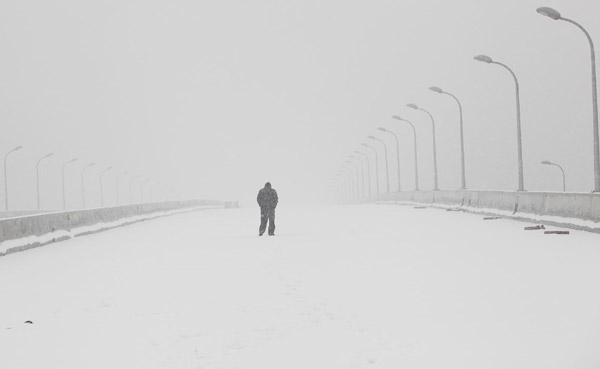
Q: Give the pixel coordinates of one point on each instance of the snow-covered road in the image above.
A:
(366, 286)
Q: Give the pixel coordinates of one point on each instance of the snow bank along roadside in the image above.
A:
(572, 210)
(23, 233)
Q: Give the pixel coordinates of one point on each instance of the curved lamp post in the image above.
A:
(368, 168)
(546, 162)
(387, 172)
(119, 177)
(462, 141)
(397, 154)
(131, 188)
(435, 171)
(362, 171)
(83, 184)
(356, 172)
(397, 117)
(348, 171)
(5, 177)
(376, 164)
(37, 172)
(488, 60)
(63, 182)
(553, 14)
(142, 189)
(102, 187)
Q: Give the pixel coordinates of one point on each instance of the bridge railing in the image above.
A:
(25, 232)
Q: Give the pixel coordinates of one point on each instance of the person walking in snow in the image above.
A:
(267, 200)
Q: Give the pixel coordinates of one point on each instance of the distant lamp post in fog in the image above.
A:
(387, 172)
(5, 177)
(368, 169)
(362, 172)
(486, 59)
(376, 164)
(553, 14)
(83, 183)
(63, 182)
(462, 141)
(435, 171)
(117, 181)
(142, 189)
(546, 162)
(37, 171)
(356, 172)
(131, 181)
(397, 154)
(414, 130)
(102, 186)
(350, 175)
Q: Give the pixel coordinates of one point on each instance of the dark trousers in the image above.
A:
(267, 215)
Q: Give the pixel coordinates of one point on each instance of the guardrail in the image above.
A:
(25, 232)
(585, 206)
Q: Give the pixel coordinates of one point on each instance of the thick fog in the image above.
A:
(212, 99)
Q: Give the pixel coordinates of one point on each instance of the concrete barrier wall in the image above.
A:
(41, 224)
(568, 205)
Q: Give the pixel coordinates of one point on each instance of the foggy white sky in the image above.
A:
(215, 98)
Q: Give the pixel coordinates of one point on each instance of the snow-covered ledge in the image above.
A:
(26, 232)
(574, 210)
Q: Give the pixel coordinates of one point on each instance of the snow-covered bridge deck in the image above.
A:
(369, 286)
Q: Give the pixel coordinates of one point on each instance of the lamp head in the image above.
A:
(483, 58)
(17, 148)
(364, 144)
(412, 106)
(546, 162)
(49, 155)
(92, 164)
(72, 160)
(371, 137)
(397, 117)
(382, 129)
(549, 12)
(436, 89)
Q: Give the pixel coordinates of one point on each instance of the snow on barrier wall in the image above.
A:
(22, 233)
(584, 206)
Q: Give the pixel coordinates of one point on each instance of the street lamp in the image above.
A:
(362, 170)
(63, 182)
(546, 162)
(387, 172)
(488, 60)
(131, 187)
(397, 153)
(348, 172)
(102, 187)
(356, 172)
(462, 142)
(118, 177)
(142, 189)
(5, 177)
(414, 130)
(83, 184)
(553, 14)
(435, 171)
(37, 171)
(376, 164)
(368, 169)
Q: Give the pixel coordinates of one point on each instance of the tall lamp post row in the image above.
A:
(545, 11)
(83, 170)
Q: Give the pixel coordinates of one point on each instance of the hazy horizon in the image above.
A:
(215, 99)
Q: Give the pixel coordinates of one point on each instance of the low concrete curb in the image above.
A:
(27, 232)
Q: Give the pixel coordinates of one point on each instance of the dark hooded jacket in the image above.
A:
(267, 197)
